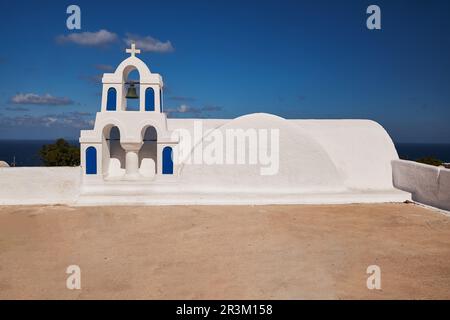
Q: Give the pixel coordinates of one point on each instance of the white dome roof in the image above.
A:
(304, 165)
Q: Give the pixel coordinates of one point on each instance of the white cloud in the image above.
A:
(182, 99)
(99, 38)
(185, 109)
(181, 109)
(148, 43)
(46, 99)
(104, 67)
(104, 37)
(78, 120)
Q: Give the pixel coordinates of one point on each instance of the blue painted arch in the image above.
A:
(91, 160)
(111, 100)
(149, 99)
(167, 161)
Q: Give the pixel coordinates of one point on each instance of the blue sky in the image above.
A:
(296, 59)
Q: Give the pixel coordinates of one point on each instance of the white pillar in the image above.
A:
(132, 160)
(132, 164)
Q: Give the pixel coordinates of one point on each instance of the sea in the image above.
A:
(25, 153)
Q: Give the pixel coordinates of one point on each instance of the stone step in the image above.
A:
(175, 198)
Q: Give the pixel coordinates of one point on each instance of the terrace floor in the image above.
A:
(224, 252)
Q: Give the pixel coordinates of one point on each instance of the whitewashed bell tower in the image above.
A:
(115, 85)
(124, 144)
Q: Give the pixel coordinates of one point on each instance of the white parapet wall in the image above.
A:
(39, 185)
(429, 185)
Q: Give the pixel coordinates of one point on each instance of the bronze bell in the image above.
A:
(131, 92)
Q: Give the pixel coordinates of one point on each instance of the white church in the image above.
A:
(129, 155)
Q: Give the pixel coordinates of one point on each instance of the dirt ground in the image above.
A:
(224, 252)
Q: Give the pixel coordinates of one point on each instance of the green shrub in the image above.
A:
(430, 160)
(61, 153)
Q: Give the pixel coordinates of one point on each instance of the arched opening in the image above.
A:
(160, 101)
(132, 77)
(148, 153)
(149, 99)
(111, 100)
(91, 160)
(167, 167)
(114, 154)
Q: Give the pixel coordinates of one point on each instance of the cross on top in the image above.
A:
(133, 50)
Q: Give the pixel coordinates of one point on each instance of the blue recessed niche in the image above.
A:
(167, 161)
(149, 99)
(91, 160)
(111, 100)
